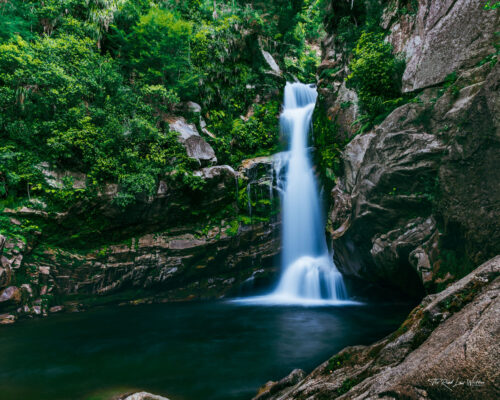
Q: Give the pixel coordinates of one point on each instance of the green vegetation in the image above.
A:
(373, 72)
(88, 86)
(328, 146)
(338, 361)
(348, 384)
(376, 74)
(492, 5)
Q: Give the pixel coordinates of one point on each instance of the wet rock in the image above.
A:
(271, 388)
(391, 250)
(11, 294)
(172, 262)
(423, 161)
(6, 319)
(256, 168)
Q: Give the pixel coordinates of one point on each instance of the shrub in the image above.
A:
(376, 75)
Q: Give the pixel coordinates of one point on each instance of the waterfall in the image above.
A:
(308, 273)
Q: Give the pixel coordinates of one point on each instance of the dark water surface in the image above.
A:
(190, 351)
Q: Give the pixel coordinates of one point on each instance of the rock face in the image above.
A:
(272, 388)
(446, 349)
(448, 35)
(430, 162)
(179, 264)
(172, 204)
(416, 204)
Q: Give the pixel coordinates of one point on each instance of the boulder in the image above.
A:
(58, 178)
(263, 177)
(193, 107)
(392, 250)
(11, 294)
(6, 319)
(196, 146)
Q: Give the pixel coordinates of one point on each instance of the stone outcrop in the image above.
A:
(196, 146)
(272, 388)
(179, 264)
(275, 69)
(446, 349)
(172, 204)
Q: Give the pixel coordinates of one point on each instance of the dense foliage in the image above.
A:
(375, 73)
(87, 86)
(365, 61)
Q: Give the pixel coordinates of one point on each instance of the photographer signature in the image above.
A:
(453, 383)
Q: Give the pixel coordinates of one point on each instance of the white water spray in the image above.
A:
(309, 275)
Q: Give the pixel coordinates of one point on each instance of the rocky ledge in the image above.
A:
(166, 261)
(446, 349)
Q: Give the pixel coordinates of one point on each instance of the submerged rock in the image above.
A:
(6, 319)
(446, 349)
(141, 396)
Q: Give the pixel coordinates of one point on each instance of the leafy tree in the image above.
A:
(159, 51)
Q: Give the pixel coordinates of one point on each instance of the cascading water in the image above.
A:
(308, 272)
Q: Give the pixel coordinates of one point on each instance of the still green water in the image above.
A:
(190, 351)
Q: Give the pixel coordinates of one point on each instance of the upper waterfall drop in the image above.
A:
(308, 274)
